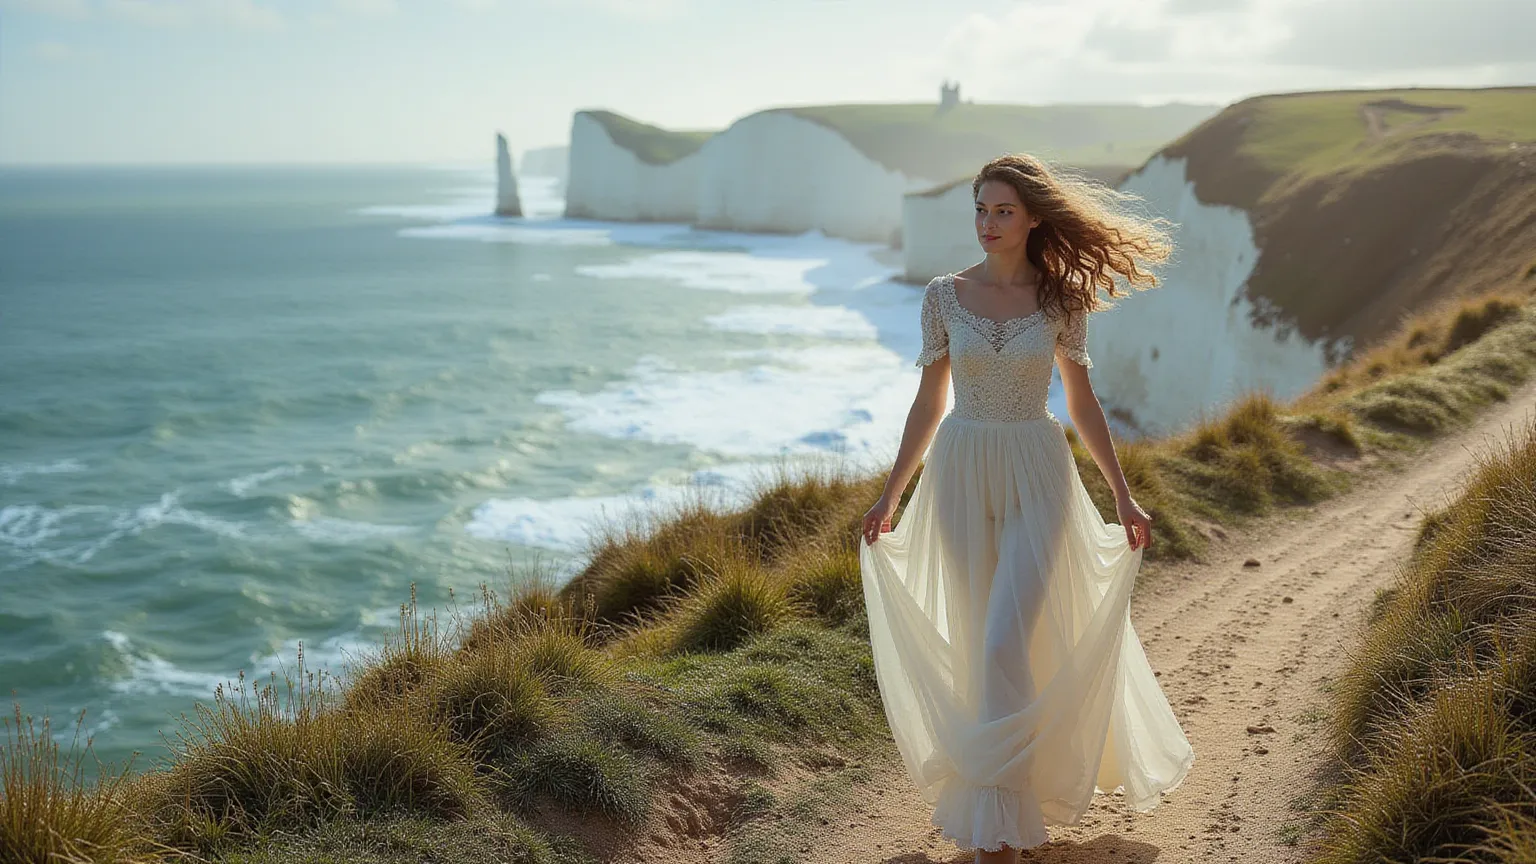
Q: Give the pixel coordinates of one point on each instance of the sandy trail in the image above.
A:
(1235, 647)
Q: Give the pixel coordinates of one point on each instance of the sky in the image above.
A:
(433, 81)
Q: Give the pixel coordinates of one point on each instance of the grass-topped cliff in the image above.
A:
(704, 690)
(652, 145)
(920, 141)
(1365, 204)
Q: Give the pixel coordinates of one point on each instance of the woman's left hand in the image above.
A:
(1138, 525)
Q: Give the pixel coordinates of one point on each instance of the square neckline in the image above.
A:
(999, 323)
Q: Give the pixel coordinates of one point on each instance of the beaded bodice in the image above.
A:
(1001, 370)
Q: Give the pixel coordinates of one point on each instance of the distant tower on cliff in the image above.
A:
(507, 203)
(949, 95)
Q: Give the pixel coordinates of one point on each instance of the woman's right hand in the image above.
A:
(878, 519)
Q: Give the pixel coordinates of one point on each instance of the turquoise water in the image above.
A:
(248, 407)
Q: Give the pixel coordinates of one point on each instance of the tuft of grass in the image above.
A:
(580, 775)
(1495, 350)
(537, 604)
(49, 813)
(638, 567)
(734, 603)
(803, 684)
(492, 701)
(827, 583)
(254, 763)
(627, 722)
(793, 507)
(403, 662)
(559, 657)
(1427, 797)
(1477, 317)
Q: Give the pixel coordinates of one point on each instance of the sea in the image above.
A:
(249, 410)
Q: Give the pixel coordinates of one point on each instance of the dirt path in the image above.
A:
(1234, 647)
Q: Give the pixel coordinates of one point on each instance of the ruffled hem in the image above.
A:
(995, 815)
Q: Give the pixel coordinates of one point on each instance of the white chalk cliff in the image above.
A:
(939, 230)
(1190, 345)
(771, 171)
(507, 203)
(611, 182)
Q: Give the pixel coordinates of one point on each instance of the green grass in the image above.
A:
(1285, 140)
(1438, 385)
(1434, 721)
(918, 141)
(411, 839)
(651, 144)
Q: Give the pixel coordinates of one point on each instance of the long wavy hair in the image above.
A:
(1086, 237)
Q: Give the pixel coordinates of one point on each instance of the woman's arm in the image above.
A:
(922, 421)
(1088, 419)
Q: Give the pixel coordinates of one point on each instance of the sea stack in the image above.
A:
(507, 203)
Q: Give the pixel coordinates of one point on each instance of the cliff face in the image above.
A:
(609, 181)
(776, 172)
(839, 169)
(770, 172)
(1309, 225)
(1197, 341)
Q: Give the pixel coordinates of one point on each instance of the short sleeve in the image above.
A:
(1072, 340)
(935, 331)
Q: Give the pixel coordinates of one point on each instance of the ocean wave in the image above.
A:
(10, 472)
(329, 529)
(826, 322)
(844, 398)
(240, 486)
(731, 272)
(73, 534)
(568, 524)
(148, 673)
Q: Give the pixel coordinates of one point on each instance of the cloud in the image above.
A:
(73, 9)
(1366, 35)
(367, 8)
(241, 14)
(56, 52)
(642, 9)
(1217, 50)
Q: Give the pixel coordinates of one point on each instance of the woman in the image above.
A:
(999, 606)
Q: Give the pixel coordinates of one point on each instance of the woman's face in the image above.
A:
(1002, 223)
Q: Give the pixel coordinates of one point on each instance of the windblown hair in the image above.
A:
(1085, 239)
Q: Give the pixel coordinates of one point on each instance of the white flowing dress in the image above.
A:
(999, 604)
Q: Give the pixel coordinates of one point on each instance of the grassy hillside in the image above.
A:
(921, 142)
(1369, 204)
(650, 144)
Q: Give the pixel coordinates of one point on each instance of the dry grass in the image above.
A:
(1435, 719)
(50, 813)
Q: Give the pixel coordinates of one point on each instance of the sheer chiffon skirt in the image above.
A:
(999, 611)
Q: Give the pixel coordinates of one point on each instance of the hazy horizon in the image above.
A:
(397, 82)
